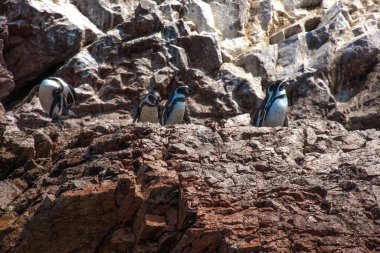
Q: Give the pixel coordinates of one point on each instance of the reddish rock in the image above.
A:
(190, 189)
(6, 78)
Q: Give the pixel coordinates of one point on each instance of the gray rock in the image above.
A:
(106, 14)
(202, 51)
(354, 60)
(277, 37)
(244, 89)
(309, 3)
(200, 13)
(259, 62)
(317, 38)
(230, 17)
(178, 57)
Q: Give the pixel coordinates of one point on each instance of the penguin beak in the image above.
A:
(286, 82)
(189, 91)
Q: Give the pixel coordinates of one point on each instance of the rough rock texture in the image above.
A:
(53, 30)
(103, 184)
(233, 189)
(6, 78)
(105, 14)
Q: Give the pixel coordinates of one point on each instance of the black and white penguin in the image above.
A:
(148, 110)
(174, 111)
(56, 96)
(272, 111)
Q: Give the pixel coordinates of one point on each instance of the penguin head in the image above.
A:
(153, 98)
(183, 89)
(278, 88)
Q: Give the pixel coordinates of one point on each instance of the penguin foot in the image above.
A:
(58, 122)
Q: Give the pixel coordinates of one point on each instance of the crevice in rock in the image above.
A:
(18, 95)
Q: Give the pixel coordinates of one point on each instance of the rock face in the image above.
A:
(239, 188)
(52, 30)
(103, 184)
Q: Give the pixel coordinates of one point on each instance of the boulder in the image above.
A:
(230, 17)
(260, 62)
(171, 10)
(203, 51)
(138, 26)
(310, 91)
(34, 29)
(106, 14)
(235, 46)
(18, 149)
(354, 60)
(201, 14)
(362, 110)
(243, 87)
(9, 191)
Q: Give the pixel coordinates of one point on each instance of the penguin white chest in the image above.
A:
(46, 98)
(45, 93)
(277, 113)
(176, 115)
(149, 114)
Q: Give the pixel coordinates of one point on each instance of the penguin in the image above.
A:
(174, 111)
(148, 110)
(272, 111)
(56, 96)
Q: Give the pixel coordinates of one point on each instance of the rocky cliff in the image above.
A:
(104, 184)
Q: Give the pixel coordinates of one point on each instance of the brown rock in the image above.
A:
(209, 192)
(43, 144)
(19, 148)
(3, 121)
(40, 32)
(139, 26)
(103, 184)
(362, 110)
(6, 78)
(9, 191)
(105, 14)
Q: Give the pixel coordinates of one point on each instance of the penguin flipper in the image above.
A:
(186, 117)
(56, 102)
(137, 115)
(165, 113)
(254, 119)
